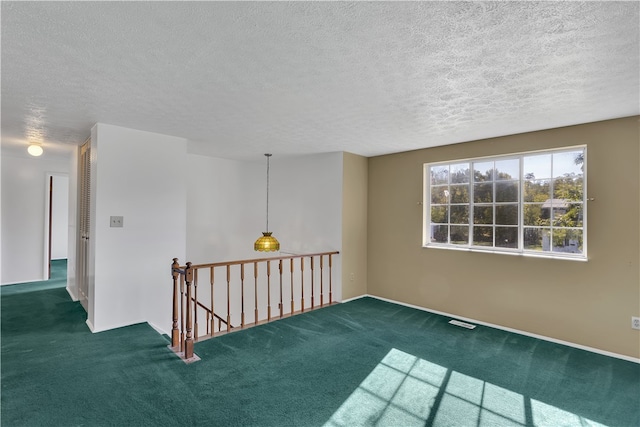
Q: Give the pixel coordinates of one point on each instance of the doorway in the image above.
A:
(56, 236)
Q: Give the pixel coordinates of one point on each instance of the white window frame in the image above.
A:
(520, 250)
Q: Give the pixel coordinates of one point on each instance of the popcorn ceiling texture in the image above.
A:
(238, 79)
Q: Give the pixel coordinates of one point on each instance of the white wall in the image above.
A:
(223, 217)
(305, 207)
(142, 177)
(24, 189)
(227, 206)
(305, 203)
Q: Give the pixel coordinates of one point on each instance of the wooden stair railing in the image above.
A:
(187, 303)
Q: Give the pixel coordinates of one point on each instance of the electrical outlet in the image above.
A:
(116, 221)
(635, 322)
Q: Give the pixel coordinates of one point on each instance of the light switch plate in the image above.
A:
(117, 221)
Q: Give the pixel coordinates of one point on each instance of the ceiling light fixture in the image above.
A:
(35, 150)
(267, 243)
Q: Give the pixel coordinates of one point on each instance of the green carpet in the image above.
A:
(366, 362)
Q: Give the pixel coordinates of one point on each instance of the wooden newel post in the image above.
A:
(188, 342)
(175, 332)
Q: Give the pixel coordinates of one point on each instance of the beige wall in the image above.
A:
(586, 303)
(354, 226)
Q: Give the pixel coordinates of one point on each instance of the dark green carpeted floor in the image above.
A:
(366, 362)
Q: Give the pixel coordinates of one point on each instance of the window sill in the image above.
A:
(557, 256)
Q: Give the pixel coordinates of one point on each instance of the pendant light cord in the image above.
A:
(268, 155)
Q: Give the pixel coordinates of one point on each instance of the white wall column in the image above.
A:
(140, 176)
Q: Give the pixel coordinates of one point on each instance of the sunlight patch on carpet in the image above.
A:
(408, 391)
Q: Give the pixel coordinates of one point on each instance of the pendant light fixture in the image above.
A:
(267, 243)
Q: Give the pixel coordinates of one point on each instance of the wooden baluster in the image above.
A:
(212, 320)
(312, 292)
(291, 268)
(268, 291)
(195, 304)
(183, 311)
(280, 306)
(255, 293)
(175, 333)
(242, 295)
(330, 286)
(301, 283)
(208, 324)
(321, 284)
(228, 298)
(188, 342)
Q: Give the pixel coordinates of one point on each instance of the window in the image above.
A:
(529, 203)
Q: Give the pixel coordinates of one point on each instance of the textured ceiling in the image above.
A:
(238, 79)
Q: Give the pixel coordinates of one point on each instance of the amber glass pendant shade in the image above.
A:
(267, 243)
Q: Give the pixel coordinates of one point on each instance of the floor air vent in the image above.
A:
(462, 324)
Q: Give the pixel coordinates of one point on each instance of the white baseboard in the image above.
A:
(113, 326)
(359, 297)
(159, 330)
(73, 296)
(90, 325)
(507, 329)
(23, 281)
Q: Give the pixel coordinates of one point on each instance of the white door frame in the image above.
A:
(47, 213)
